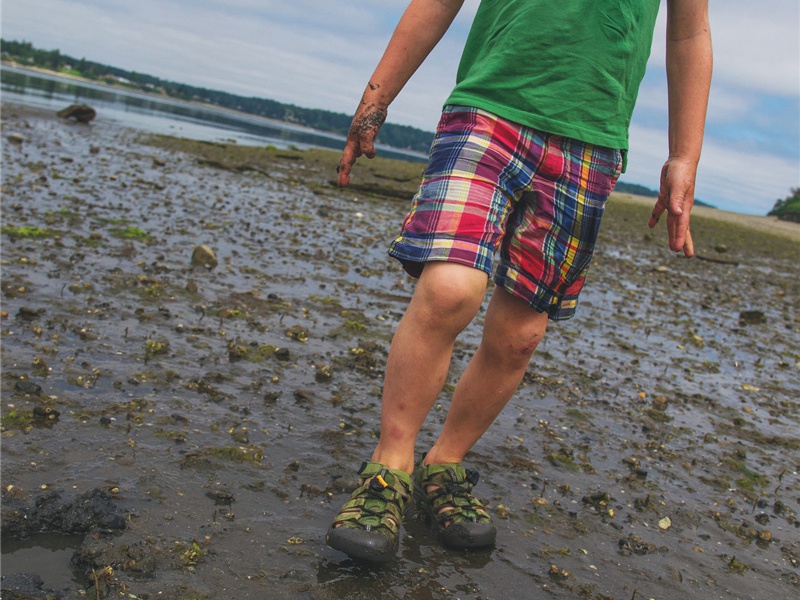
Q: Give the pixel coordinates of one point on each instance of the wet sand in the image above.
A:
(196, 429)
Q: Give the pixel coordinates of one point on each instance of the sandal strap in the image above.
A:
(452, 500)
(379, 501)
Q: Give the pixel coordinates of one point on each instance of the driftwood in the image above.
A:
(722, 261)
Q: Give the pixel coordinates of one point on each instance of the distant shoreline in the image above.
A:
(412, 155)
(764, 224)
(160, 96)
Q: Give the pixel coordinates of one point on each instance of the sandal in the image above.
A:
(368, 525)
(459, 518)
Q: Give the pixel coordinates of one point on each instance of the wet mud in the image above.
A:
(193, 428)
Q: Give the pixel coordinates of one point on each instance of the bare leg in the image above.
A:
(446, 299)
(511, 332)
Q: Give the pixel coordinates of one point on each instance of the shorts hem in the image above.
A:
(413, 258)
(538, 297)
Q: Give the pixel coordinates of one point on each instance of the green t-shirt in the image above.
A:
(566, 67)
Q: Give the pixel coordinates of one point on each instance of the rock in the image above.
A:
(81, 113)
(28, 387)
(16, 138)
(91, 511)
(660, 403)
(29, 314)
(203, 256)
(23, 585)
(241, 435)
(752, 317)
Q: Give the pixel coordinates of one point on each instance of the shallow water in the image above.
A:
(47, 555)
(218, 438)
(158, 114)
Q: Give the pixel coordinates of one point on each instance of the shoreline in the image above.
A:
(192, 103)
(763, 224)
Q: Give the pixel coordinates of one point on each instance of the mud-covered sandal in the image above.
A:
(368, 525)
(459, 518)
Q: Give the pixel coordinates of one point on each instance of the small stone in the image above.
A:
(203, 256)
(16, 138)
(241, 435)
(29, 314)
(558, 574)
(752, 317)
(665, 523)
(632, 462)
(28, 387)
(660, 403)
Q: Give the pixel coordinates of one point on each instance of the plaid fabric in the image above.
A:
(492, 186)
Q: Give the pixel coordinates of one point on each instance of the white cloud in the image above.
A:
(756, 44)
(730, 176)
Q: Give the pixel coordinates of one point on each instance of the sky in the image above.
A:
(320, 54)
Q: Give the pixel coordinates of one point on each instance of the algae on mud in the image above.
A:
(225, 411)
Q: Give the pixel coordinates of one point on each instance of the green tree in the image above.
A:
(788, 209)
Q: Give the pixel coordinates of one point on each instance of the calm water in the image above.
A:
(165, 116)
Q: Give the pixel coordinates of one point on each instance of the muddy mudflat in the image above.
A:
(191, 429)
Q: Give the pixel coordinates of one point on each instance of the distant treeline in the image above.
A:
(788, 209)
(640, 190)
(636, 189)
(397, 136)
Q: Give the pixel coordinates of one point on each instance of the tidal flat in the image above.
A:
(190, 431)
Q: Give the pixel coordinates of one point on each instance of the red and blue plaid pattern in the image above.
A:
(492, 185)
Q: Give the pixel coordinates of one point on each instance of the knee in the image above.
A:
(514, 346)
(512, 332)
(452, 301)
(450, 295)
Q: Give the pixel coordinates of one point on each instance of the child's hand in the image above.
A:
(360, 139)
(676, 196)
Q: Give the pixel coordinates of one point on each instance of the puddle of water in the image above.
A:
(48, 555)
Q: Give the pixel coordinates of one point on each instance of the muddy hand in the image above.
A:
(360, 139)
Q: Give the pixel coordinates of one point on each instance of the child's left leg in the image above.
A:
(511, 332)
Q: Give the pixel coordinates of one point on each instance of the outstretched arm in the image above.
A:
(689, 63)
(421, 27)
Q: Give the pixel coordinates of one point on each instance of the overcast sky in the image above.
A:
(320, 53)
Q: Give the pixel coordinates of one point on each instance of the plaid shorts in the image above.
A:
(493, 185)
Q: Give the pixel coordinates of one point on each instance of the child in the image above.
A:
(529, 147)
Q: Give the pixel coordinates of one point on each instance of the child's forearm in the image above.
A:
(689, 65)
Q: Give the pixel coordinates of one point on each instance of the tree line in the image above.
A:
(396, 136)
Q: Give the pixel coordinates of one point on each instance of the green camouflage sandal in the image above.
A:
(459, 518)
(368, 525)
